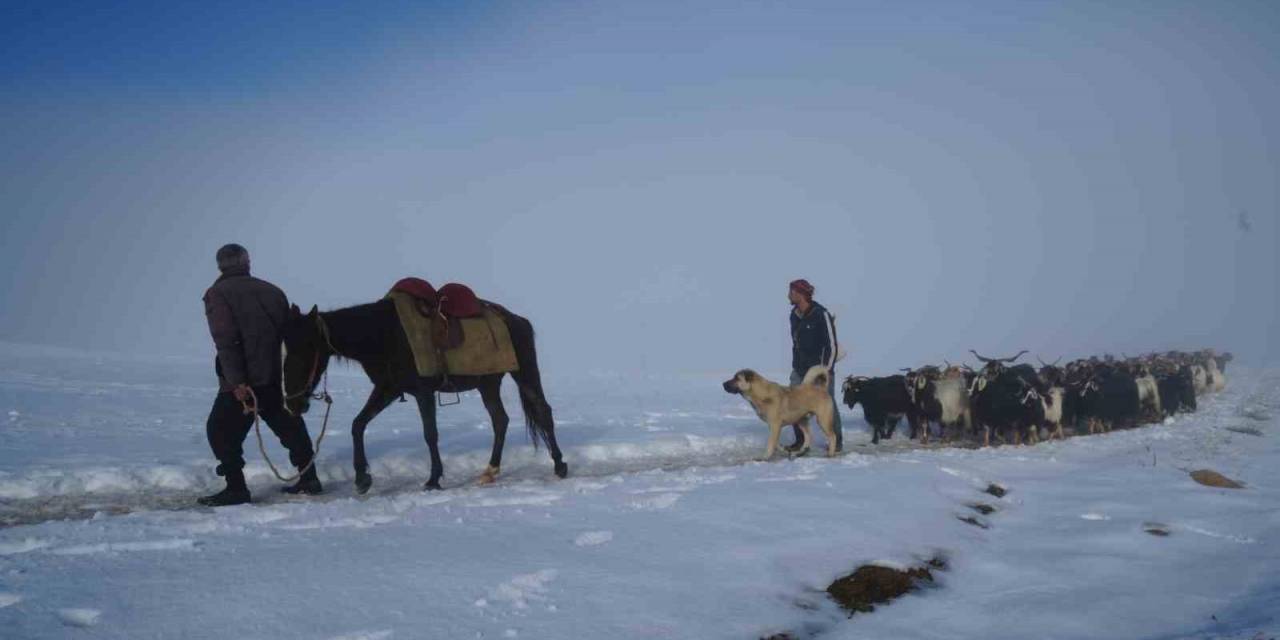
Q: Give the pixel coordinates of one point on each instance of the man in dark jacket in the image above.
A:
(813, 342)
(245, 315)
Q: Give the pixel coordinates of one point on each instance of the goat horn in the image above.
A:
(1015, 356)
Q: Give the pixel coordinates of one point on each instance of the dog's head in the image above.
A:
(741, 381)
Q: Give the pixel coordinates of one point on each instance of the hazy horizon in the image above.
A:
(642, 180)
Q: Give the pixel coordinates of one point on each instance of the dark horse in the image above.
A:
(371, 335)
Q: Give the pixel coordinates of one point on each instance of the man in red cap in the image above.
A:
(813, 342)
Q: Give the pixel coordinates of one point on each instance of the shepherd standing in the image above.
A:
(813, 342)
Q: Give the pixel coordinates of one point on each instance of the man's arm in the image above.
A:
(226, 338)
(830, 347)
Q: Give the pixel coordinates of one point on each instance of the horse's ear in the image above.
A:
(294, 311)
(314, 311)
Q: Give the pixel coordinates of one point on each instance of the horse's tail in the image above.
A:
(537, 411)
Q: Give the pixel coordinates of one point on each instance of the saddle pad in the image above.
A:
(486, 347)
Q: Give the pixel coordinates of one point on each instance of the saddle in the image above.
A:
(445, 307)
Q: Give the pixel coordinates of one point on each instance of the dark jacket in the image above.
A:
(245, 317)
(813, 338)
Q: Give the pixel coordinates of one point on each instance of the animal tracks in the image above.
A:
(981, 508)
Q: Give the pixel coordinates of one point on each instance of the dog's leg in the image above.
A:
(826, 420)
(775, 430)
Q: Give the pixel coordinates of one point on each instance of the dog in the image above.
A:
(780, 405)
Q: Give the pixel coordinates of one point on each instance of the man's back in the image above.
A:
(245, 317)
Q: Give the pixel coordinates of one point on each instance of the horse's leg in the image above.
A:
(557, 458)
(491, 395)
(426, 398)
(379, 399)
(537, 413)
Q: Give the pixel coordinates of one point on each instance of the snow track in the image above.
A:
(53, 494)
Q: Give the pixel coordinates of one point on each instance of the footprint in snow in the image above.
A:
(593, 538)
(520, 590)
(83, 618)
(656, 502)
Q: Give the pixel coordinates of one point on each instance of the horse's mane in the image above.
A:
(362, 331)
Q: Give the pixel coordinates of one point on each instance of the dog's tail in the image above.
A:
(818, 375)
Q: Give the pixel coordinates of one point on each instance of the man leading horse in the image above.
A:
(245, 317)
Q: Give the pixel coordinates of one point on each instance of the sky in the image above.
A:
(642, 180)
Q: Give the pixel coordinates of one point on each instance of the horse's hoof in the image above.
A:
(562, 470)
(432, 485)
(363, 483)
(488, 476)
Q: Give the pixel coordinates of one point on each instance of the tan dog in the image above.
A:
(780, 405)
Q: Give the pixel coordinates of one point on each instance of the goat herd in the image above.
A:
(1019, 402)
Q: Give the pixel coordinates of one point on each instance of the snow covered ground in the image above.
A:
(664, 529)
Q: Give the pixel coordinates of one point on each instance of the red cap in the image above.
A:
(803, 287)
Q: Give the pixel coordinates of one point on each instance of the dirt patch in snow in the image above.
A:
(1248, 431)
(984, 509)
(1156, 529)
(870, 585)
(1211, 478)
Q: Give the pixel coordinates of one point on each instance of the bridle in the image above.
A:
(309, 388)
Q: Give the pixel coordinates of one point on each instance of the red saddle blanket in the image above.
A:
(453, 299)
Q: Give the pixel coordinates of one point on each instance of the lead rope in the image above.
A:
(262, 447)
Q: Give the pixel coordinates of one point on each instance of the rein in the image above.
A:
(262, 447)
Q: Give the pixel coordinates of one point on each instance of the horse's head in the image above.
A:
(306, 356)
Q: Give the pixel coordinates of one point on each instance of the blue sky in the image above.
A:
(643, 179)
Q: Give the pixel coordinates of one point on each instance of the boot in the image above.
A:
(308, 484)
(235, 493)
(798, 444)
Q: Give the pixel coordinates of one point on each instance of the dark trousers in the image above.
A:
(796, 378)
(228, 425)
